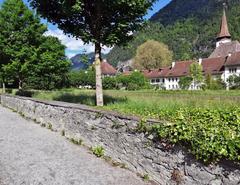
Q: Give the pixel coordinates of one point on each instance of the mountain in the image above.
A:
(188, 27)
(83, 61)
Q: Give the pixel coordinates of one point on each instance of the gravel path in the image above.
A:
(31, 155)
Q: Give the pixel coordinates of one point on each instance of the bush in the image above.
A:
(109, 83)
(134, 81)
(214, 84)
(234, 82)
(24, 93)
(211, 134)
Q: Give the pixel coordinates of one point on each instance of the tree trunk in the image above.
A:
(4, 88)
(99, 90)
(20, 84)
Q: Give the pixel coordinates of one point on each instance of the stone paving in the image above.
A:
(31, 155)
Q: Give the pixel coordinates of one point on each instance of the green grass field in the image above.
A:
(148, 103)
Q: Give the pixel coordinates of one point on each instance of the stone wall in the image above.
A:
(117, 134)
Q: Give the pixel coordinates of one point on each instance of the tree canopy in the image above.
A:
(26, 55)
(152, 55)
(102, 22)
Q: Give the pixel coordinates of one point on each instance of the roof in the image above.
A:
(156, 73)
(233, 59)
(107, 69)
(181, 68)
(213, 65)
(225, 48)
(224, 32)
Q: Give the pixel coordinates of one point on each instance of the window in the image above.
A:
(153, 80)
(232, 70)
(158, 80)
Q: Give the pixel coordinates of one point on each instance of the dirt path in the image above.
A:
(31, 155)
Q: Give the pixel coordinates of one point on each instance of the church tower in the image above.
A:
(224, 35)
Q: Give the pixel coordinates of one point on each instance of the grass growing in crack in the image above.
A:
(49, 126)
(98, 151)
(146, 177)
(76, 141)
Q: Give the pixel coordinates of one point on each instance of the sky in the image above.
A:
(74, 46)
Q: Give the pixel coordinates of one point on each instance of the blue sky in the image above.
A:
(74, 46)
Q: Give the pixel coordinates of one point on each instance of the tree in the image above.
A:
(51, 69)
(103, 22)
(21, 32)
(152, 55)
(214, 84)
(185, 82)
(196, 74)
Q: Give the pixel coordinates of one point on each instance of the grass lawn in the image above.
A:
(148, 103)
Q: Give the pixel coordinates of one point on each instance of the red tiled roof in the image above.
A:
(181, 68)
(107, 69)
(213, 65)
(156, 73)
(233, 59)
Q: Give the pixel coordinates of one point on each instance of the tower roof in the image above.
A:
(224, 32)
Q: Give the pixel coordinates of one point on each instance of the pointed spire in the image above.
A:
(224, 32)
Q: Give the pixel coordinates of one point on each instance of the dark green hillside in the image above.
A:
(188, 27)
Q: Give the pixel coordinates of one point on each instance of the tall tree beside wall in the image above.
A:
(97, 22)
(22, 33)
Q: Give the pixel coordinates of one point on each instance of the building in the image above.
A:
(107, 69)
(222, 63)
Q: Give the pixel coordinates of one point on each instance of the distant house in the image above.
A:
(107, 69)
(222, 63)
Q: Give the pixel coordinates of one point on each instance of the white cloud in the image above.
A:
(73, 45)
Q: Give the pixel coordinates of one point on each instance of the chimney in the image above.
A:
(173, 64)
(200, 61)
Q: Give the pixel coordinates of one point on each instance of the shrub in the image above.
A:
(24, 93)
(109, 83)
(211, 134)
(134, 81)
(234, 82)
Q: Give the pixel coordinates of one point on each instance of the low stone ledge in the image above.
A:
(117, 134)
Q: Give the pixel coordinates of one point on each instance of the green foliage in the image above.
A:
(21, 33)
(234, 82)
(27, 57)
(98, 151)
(185, 82)
(51, 69)
(211, 134)
(93, 22)
(24, 93)
(82, 78)
(152, 55)
(134, 81)
(109, 83)
(214, 84)
(196, 74)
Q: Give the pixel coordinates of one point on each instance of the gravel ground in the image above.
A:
(31, 155)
